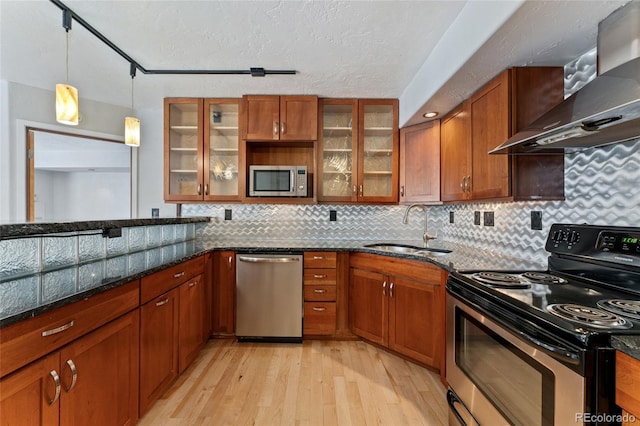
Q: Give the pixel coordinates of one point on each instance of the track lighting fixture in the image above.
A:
(66, 95)
(132, 124)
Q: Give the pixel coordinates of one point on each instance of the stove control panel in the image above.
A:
(613, 244)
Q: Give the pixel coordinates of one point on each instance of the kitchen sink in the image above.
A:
(404, 248)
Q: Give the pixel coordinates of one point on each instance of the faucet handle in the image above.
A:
(426, 237)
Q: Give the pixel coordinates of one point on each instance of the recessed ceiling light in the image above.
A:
(430, 114)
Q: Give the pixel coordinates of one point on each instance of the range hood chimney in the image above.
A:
(606, 110)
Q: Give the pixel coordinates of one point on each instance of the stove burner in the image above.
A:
(499, 279)
(542, 278)
(628, 308)
(593, 317)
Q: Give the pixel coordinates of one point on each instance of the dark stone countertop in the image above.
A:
(630, 345)
(17, 230)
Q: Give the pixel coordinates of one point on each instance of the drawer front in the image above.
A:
(320, 276)
(319, 318)
(319, 293)
(320, 259)
(159, 283)
(28, 340)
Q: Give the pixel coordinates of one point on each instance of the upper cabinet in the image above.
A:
(501, 108)
(202, 157)
(284, 118)
(358, 150)
(420, 163)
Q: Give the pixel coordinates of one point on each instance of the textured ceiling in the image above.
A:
(339, 48)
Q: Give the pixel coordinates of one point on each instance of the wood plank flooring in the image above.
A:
(314, 383)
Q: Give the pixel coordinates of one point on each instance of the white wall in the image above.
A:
(22, 106)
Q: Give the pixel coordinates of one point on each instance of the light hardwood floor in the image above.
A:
(315, 383)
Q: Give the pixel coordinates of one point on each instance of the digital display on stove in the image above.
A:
(624, 243)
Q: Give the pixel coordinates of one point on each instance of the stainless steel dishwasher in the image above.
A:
(269, 301)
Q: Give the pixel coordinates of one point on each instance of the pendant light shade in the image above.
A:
(66, 104)
(132, 131)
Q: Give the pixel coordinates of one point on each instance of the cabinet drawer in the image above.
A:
(319, 318)
(156, 284)
(28, 340)
(320, 259)
(320, 293)
(320, 276)
(628, 383)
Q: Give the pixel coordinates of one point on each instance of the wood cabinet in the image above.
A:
(320, 293)
(501, 108)
(93, 379)
(191, 321)
(399, 304)
(224, 293)
(203, 159)
(420, 163)
(284, 118)
(628, 387)
(358, 150)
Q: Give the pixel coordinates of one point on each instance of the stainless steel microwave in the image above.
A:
(277, 181)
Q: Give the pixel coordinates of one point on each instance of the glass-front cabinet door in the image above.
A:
(183, 149)
(222, 158)
(378, 150)
(338, 150)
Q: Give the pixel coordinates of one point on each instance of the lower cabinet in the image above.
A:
(628, 388)
(191, 323)
(402, 312)
(93, 380)
(224, 293)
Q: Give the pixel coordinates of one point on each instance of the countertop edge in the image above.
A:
(629, 345)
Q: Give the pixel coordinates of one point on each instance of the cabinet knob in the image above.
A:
(319, 290)
(355, 189)
(162, 302)
(178, 275)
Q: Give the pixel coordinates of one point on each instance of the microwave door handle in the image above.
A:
(292, 179)
(558, 352)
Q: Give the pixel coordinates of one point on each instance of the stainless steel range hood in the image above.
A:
(605, 111)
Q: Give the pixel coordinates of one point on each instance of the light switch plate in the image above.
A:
(536, 220)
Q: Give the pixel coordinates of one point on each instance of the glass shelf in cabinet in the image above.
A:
(185, 130)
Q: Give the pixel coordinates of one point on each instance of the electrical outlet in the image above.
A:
(488, 218)
(536, 220)
(476, 218)
(333, 215)
(451, 217)
(227, 214)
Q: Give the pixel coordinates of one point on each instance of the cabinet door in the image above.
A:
(490, 126)
(100, 375)
(262, 117)
(298, 118)
(224, 287)
(455, 154)
(337, 145)
(223, 160)
(378, 150)
(158, 347)
(420, 163)
(192, 300)
(368, 305)
(28, 396)
(415, 320)
(183, 148)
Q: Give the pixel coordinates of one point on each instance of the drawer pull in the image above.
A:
(178, 275)
(58, 329)
(56, 381)
(162, 302)
(74, 375)
(193, 284)
(318, 257)
(315, 308)
(319, 275)
(320, 290)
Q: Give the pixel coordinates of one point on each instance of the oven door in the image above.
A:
(502, 379)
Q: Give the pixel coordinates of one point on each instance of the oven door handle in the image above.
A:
(453, 401)
(555, 351)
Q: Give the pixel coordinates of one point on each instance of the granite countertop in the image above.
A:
(630, 345)
(44, 291)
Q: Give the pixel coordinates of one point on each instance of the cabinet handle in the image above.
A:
(320, 290)
(468, 183)
(206, 189)
(275, 127)
(162, 302)
(384, 288)
(361, 191)
(319, 276)
(315, 308)
(56, 381)
(402, 190)
(391, 290)
(193, 283)
(178, 275)
(318, 257)
(74, 375)
(462, 182)
(283, 128)
(199, 189)
(230, 259)
(58, 329)
(355, 189)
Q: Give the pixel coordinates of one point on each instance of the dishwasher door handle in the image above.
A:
(268, 259)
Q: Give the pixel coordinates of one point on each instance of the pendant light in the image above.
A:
(67, 95)
(132, 124)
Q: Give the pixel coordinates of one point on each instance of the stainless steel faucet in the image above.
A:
(425, 236)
